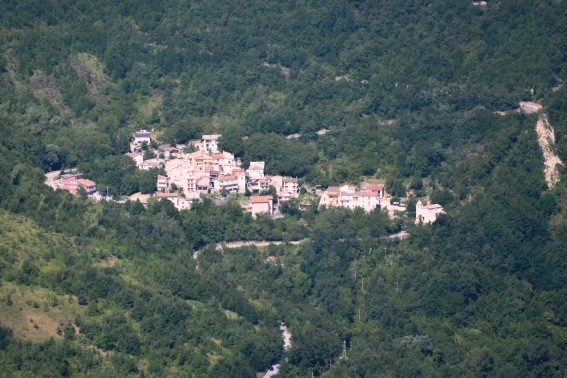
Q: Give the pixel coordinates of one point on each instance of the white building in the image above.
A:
(162, 183)
(224, 162)
(141, 137)
(256, 170)
(348, 196)
(210, 143)
(180, 203)
(228, 183)
(427, 214)
(261, 204)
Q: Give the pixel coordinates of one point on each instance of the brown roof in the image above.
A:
(166, 195)
(261, 199)
(289, 179)
(433, 207)
(367, 194)
(226, 178)
(374, 187)
(86, 182)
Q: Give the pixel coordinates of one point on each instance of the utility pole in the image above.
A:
(344, 349)
(363, 284)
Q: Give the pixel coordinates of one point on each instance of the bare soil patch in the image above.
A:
(546, 140)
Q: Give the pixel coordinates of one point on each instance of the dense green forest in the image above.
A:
(408, 93)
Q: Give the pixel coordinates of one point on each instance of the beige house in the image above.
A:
(330, 197)
(259, 185)
(261, 204)
(427, 214)
(368, 201)
(348, 196)
(241, 177)
(376, 188)
(290, 185)
(203, 184)
(137, 157)
(223, 162)
(286, 187)
(199, 159)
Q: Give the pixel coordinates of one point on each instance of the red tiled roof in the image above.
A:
(367, 194)
(86, 182)
(166, 195)
(226, 178)
(261, 199)
(374, 187)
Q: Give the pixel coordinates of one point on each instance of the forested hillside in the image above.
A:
(408, 92)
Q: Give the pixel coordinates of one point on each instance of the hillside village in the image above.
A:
(209, 170)
(200, 168)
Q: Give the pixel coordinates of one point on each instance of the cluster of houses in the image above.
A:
(368, 197)
(208, 170)
(371, 196)
(73, 182)
(202, 168)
